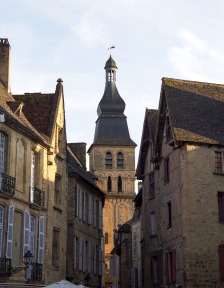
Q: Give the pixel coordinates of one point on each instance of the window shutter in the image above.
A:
(100, 214)
(84, 256)
(89, 257)
(1, 228)
(80, 203)
(221, 260)
(26, 238)
(100, 262)
(41, 240)
(94, 212)
(90, 210)
(94, 263)
(77, 201)
(84, 206)
(74, 256)
(10, 232)
(173, 275)
(80, 255)
(166, 269)
(32, 176)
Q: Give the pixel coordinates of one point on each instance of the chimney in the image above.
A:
(79, 150)
(5, 63)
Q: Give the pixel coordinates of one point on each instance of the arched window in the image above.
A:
(1, 228)
(109, 184)
(120, 160)
(106, 238)
(119, 184)
(108, 160)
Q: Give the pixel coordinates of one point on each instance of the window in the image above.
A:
(119, 184)
(2, 152)
(55, 248)
(169, 215)
(221, 261)
(1, 228)
(32, 235)
(170, 267)
(106, 238)
(221, 205)
(32, 176)
(218, 162)
(151, 185)
(154, 270)
(109, 184)
(108, 160)
(120, 160)
(153, 226)
(166, 170)
(57, 190)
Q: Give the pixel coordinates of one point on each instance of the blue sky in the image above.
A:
(69, 39)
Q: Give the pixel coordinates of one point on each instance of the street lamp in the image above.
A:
(28, 257)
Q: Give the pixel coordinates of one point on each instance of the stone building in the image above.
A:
(85, 235)
(33, 182)
(112, 160)
(186, 223)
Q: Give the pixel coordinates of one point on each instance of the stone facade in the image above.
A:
(182, 201)
(33, 207)
(85, 250)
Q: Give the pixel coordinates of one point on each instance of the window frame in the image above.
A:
(166, 170)
(219, 157)
(120, 160)
(220, 196)
(151, 185)
(119, 184)
(153, 224)
(109, 184)
(109, 160)
(169, 215)
(55, 247)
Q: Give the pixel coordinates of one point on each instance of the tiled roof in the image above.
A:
(196, 110)
(39, 109)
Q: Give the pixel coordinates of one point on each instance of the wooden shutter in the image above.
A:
(41, 240)
(221, 260)
(94, 212)
(77, 201)
(1, 228)
(89, 257)
(166, 268)
(80, 203)
(173, 271)
(100, 262)
(10, 232)
(84, 206)
(94, 262)
(100, 214)
(26, 237)
(90, 210)
(74, 256)
(80, 254)
(84, 257)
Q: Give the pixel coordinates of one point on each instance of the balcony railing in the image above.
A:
(7, 184)
(5, 267)
(38, 197)
(36, 273)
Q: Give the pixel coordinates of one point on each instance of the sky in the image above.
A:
(69, 39)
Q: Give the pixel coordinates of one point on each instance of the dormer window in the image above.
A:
(108, 160)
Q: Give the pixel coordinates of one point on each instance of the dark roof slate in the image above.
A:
(195, 110)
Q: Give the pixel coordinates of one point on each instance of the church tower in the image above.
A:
(112, 159)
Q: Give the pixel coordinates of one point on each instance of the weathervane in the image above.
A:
(111, 47)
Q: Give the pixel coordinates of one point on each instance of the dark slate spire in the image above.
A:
(111, 126)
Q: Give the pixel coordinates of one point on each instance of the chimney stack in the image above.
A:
(79, 149)
(5, 63)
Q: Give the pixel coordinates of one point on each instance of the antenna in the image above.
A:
(111, 47)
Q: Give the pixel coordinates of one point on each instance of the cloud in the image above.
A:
(196, 59)
(90, 31)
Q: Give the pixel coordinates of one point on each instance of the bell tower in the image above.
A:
(112, 160)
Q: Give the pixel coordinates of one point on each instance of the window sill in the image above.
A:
(217, 173)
